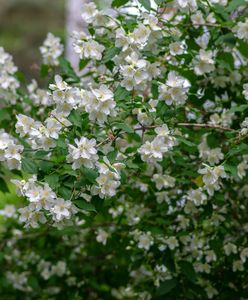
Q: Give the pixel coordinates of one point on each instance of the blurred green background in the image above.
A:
(24, 25)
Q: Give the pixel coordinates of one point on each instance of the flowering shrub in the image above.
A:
(131, 172)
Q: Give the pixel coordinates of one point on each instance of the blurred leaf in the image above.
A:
(166, 286)
(124, 127)
(52, 180)
(188, 270)
(146, 4)
(83, 63)
(29, 166)
(121, 93)
(3, 186)
(118, 3)
(81, 203)
(67, 69)
(110, 53)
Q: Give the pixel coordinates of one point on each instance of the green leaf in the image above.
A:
(29, 166)
(186, 142)
(118, 3)
(65, 193)
(239, 108)
(188, 270)
(80, 203)
(46, 166)
(112, 156)
(231, 169)
(225, 59)
(213, 141)
(44, 69)
(83, 63)
(3, 186)
(124, 127)
(90, 174)
(121, 94)
(67, 69)
(243, 48)
(240, 149)
(52, 180)
(166, 286)
(234, 4)
(75, 118)
(110, 53)
(146, 4)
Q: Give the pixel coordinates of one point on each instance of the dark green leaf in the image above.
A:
(231, 169)
(166, 286)
(83, 63)
(188, 270)
(89, 174)
(118, 3)
(81, 203)
(3, 186)
(44, 69)
(67, 69)
(243, 48)
(183, 140)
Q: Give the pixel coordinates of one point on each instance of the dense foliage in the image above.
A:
(131, 171)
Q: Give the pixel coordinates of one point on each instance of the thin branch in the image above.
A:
(206, 126)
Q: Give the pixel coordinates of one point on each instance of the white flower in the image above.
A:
(241, 30)
(84, 153)
(10, 151)
(176, 48)
(141, 34)
(197, 197)
(245, 91)
(172, 242)
(238, 265)
(175, 90)
(89, 12)
(244, 255)
(102, 236)
(186, 4)
(230, 248)
(88, 49)
(9, 211)
(62, 209)
(145, 241)
(59, 269)
(51, 50)
(197, 19)
(211, 291)
(162, 143)
(163, 181)
(204, 63)
(241, 169)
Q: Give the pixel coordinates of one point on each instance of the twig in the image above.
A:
(206, 126)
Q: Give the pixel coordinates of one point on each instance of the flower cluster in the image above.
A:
(154, 151)
(43, 204)
(51, 50)
(8, 81)
(10, 151)
(84, 154)
(138, 163)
